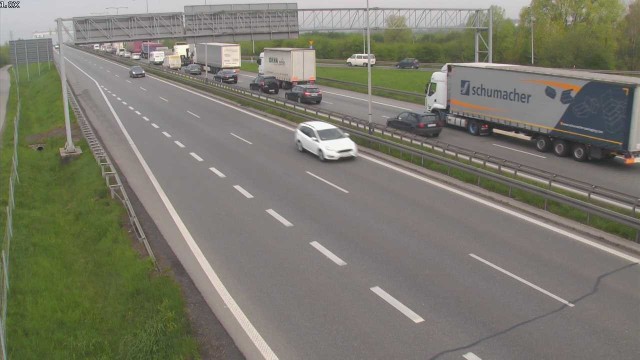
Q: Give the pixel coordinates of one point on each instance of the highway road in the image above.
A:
(612, 174)
(356, 259)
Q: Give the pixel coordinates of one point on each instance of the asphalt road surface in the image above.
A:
(359, 259)
(611, 174)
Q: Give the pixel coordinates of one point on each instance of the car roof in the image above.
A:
(319, 125)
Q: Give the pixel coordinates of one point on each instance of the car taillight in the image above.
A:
(262, 83)
(421, 125)
(306, 94)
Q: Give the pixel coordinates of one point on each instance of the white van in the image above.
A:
(156, 57)
(360, 60)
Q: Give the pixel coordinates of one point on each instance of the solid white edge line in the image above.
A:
(505, 210)
(217, 172)
(520, 151)
(333, 257)
(236, 136)
(195, 156)
(155, 125)
(471, 356)
(196, 115)
(166, 134)
(179, 144)
(242, 191)
(327, 182)
(486, 262)
(397, 304)
(422, 178)
(279, 217)
(235, 309)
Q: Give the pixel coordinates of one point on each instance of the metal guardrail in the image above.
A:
(109, 172)
(481, 165)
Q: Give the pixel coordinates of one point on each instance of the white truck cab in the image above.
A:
(436, 91)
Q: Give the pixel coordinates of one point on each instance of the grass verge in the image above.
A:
(79, 289)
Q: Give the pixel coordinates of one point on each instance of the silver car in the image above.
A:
(136, 71)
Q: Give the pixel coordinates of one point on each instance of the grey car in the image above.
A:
(136, 71)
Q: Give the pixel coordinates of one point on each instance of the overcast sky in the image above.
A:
(39, 15)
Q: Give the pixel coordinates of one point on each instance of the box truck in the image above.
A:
(156, 57)
(172, 61)
(582, 114)
(217, 56)
(148, 47)
(290, 66)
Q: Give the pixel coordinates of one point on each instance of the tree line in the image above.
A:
(585, 34)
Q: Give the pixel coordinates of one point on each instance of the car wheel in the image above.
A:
(397, 66)
(473, 127)
(321, 155)
(579, 152)
(299, 146)
(319, 101)
(349, 64)
(277, 91)
(560, 148)
(543, 143)
(436, 134)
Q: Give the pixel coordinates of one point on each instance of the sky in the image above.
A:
(39, 15)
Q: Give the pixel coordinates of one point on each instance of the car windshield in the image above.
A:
(227, 72)
(136, 68)
(330, 134)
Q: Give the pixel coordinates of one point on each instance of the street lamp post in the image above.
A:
(370, 123)
(531, 19)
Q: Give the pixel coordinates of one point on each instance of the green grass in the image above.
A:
(403, 80)
(79, 290)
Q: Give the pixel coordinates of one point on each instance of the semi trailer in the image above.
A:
(217, 56)
(583, 114)
(290, 66)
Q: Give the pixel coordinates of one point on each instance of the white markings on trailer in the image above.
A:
(328, 253)
(397, 304)
(522, 280)
(198, 116)
(520, 151)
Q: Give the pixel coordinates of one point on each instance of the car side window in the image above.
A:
(412, 119)
(403, 117)
(307, 131)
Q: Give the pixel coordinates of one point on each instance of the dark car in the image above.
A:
(227, 76)
(420, 124)
(267, 84)
(410, 63)
(136, 71)
(304, 93)
(192, 69)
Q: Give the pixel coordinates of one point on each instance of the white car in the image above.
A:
(324, 140)
(127, 54)
(135, 56)
(360, 60)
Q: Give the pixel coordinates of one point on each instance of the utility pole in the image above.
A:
(531, 19)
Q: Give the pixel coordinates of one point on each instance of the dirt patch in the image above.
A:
(76, 134)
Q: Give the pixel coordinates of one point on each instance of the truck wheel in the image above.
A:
(579, 152)
(543, 143)
(473, 127)
(560, 148)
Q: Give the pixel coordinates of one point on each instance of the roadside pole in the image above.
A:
(69, 149)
